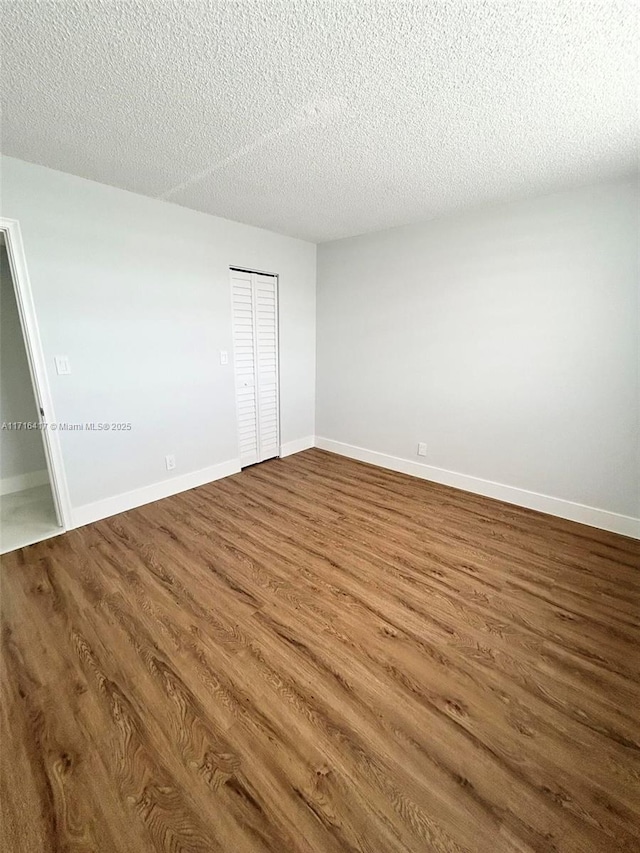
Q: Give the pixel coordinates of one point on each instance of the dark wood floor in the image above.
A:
(319, 655)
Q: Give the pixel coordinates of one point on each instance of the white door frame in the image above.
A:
(37, 368)
(252, 270)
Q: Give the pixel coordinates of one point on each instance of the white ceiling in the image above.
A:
(323, 119)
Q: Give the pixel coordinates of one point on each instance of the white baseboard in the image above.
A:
(601, 518)
(147, 494)
(296, 446)
(20, 482)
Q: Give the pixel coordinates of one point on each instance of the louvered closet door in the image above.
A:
(256, 364)
(245, 366)
(265, 302)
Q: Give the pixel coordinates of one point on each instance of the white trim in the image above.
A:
(157, 491)
(20, 482)
(37, 367)
(601, 518)
(296, 446)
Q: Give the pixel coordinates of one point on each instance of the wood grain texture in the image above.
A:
(319, 655)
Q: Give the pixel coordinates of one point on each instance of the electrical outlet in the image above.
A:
(422, 448)
(171, 462)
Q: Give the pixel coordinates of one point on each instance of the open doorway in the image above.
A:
(32, 496)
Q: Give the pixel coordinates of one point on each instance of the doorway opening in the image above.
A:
(33, 500)
(256, 364)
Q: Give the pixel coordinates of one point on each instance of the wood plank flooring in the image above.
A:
(318, 655)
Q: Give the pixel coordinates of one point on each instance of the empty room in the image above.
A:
(320, 434)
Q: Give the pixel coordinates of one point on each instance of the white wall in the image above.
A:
(21, 451)
(137, 293)
(506, 338)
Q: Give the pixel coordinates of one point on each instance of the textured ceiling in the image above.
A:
(323, 119)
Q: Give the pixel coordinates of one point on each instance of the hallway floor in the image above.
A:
(27, 517)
